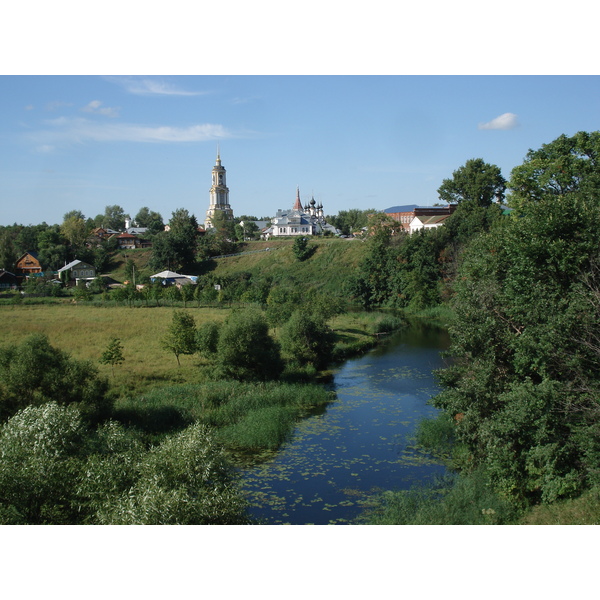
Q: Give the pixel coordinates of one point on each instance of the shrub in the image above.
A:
(35, 372)
(245, 350)
(186, 480)
(307, 340)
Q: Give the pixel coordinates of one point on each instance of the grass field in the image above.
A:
(84, 330)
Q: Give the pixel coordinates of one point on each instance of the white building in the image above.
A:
(426, 222)
(307, 220)
(219, 194)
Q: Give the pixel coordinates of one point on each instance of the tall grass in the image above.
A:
(246, 416)
(453, 500)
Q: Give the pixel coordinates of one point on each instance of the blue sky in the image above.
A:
(83, 142)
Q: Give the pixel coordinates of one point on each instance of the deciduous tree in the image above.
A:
(477, 182)
(181, 337)
(113, 355)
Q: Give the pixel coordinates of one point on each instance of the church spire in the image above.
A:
(298, 204)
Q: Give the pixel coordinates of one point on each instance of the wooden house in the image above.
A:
(26, 266)
(76, 270)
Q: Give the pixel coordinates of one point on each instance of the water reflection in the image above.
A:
(360, 445)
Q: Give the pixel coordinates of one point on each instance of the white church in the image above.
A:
(307, 220)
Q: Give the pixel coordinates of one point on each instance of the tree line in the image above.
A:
(520, 412)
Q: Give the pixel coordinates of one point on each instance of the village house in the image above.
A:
(26, 266)
(77, 270)
(8, 280)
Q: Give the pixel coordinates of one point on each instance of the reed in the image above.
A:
(245, 415)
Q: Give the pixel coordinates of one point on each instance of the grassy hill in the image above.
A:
(332, 262)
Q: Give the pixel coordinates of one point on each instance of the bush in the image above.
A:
(207, 339)
(186, 480)
(307, 340)
(34, 372)
(245, 350)
(38, 451)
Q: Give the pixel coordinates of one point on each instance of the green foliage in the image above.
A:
(150, 219)
(34, 372)
(246, 350)
(477, 182)
(186, 480)
(207, 339)
(181, 337)
(565, 166)
(436, 435)
(113, 355)
(466, 500)
(75, 230)
(282, 301)
(39, 447)
(307, 340)
(113, 218)
(301, 249)
(176, 249)
(55, 471)
(350, 221)
(524, 378)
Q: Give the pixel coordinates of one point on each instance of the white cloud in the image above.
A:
(151, 87)
(95, 107)
(65, 131)
(505, 121)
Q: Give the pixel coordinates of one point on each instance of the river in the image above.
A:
(335, 462)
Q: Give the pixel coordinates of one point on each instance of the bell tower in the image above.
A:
(219, 194)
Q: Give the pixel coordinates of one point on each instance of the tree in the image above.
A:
(186, 480)
(565, 166)
(74, 213)
(39, 448)
(114, 217)
(56, 470)
(35, 372)
(246, 351)
(352, 220)
(301, 249)
(181, 337)
(150, 219)
(524, 378)
(221, 236)
(75, 231)
(113, 355)
(477, 182)
(176, 249)
(307, 339)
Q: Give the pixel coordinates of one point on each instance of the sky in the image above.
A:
(350, 141)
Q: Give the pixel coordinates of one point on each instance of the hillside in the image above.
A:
(333, 261)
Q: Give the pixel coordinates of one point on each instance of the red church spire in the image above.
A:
(298, 204)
